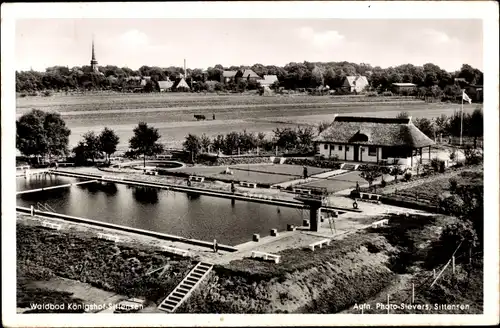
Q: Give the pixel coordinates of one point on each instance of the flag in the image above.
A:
(465, 97)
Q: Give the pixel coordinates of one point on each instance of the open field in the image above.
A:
(173, 114)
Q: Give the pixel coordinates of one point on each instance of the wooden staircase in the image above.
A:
(185, 287)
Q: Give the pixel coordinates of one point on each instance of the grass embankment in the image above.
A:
(329, 280)
(431, 192)
(416, 246)
(44, 254)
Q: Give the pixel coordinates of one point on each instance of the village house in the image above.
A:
(268, 80)
(236, 76)
(374, 140)
(355, 84)
(249, 75)
(181, 84)
(165, 85)
(228, 76)
(400, 88)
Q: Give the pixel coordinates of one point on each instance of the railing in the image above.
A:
(44, 207)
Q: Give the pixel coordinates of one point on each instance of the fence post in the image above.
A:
(412, 293)
(32, 210)
(434, 273)
(453, 264)
(388, 306)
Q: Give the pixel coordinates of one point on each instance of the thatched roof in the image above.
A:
(165, 84)
(392, 132)
(353, 79)
(229, 73)
(248, 73)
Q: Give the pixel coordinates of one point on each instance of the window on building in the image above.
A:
(372, 151)
(346, 148)
(326, 146)
(340, 147)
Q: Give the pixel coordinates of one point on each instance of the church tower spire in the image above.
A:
(93, 61)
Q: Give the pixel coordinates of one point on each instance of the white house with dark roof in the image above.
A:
(403, 87)
(236, 76)
(268, 80)
(228, 76)
(373, 140)
(355, 83)
(165, 85)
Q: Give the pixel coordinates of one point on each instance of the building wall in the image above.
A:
(363, 156)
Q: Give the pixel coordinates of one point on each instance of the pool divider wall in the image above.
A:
(127, 229)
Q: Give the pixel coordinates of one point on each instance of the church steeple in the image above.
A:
(93, 61)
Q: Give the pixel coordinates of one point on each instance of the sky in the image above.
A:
(205, 42)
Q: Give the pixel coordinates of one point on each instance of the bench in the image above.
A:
(109, 237)
(372, 198)
(266, 256)
(196, 178)
(151, 172)
(248, 184)
(302, 191)
(320, 244)
(380, 223)
(177, 251)
(50, 225)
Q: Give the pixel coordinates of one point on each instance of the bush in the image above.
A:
(383, 183)
(441, 167)
(372, 94)
(387, 94)
(22, 95)
(435, 164)
(407, 176)
(452, 205)
(47, 93)
(453, 184)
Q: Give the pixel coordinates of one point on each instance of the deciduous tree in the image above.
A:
(108, 141)
(145, 141)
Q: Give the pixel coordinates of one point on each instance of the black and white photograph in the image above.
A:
(182, 164)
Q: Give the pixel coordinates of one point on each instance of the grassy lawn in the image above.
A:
(281, 169)
(337, 183)
(254, 173)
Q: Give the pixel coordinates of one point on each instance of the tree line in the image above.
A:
(470, 124)
(45, 135)
(298, 139)
(431, 80)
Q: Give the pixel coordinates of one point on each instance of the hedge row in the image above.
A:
(323, 163)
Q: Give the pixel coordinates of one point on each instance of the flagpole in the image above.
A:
(461, 118)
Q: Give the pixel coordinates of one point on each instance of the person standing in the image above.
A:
(216, 246)
(213, 116)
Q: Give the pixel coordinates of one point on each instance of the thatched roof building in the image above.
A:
(372, 139)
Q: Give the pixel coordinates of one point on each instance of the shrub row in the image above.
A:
(323, 163)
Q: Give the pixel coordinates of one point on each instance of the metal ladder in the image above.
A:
(185, 287)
